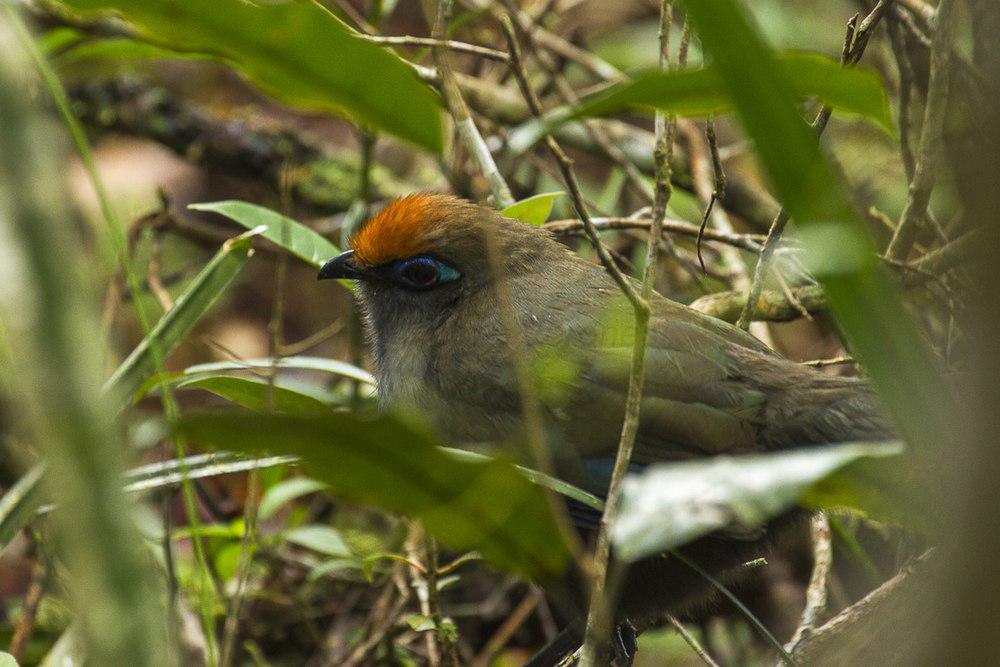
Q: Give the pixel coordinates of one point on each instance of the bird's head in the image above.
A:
(422, 255)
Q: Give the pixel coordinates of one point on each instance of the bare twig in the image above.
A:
(925, 167)
(816, 597)
(29, 608)
(457, 47)
(750, 242)
(464, 124)
(691, 641)
(510, 625)
(720, 179)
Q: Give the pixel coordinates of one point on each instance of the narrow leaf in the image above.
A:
(293, 236)
(175, 325)
(18, 505)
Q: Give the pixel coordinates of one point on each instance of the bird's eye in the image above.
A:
(423, 272)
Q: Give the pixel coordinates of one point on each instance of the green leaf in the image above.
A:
(285, 492)
(420, 622)
(703, 92)
(533, 210)
(295, 51)
(18, 505)
(321, 539)
(293, 236)
(7, 660)
(669, 505)
(175, 325)
(839, 250)
(486, 506)
(259, 395)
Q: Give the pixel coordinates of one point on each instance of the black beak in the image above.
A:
(341, 266)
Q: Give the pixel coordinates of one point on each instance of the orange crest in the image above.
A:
(399, 230)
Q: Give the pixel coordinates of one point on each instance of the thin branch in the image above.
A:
(450, 44)
(506, 630)
(464, 124)
(930, 149)
(719, 191)
(600, 614)
(750, 242)
(691, 641)
(816, 598)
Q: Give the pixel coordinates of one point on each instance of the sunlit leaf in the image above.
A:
(533, 210)
(486, 506)
(295, 51)
(332, 366)
(669, 505)
(259, 395)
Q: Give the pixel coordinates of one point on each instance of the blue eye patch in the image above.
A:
(422, 272)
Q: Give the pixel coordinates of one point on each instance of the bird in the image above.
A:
(444, 282)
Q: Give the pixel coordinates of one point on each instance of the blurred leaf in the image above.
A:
(420, 622)
(295, 51)
(703, 91)
(18, 505)
(840, 252)
(293, 236)
(331, 566)
(471, 505)
(321, 539)
(669, 505)
(259, 395)
(175, 325)
(285, 492)
(533, 210)
(7, 660)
